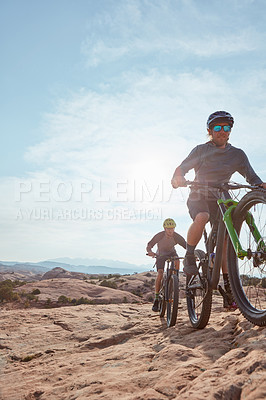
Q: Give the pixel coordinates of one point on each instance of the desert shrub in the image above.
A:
(48, 302)
(36, 291)
(137, 292)
(125, 299)
(18, 283)
(6, 293)
(113, 276)
(8, 283)
(15, 297)
(31, 297)
(147, 284)
(27, 304)
(6, 290)
(75, 302)
(31, 357)
(63, 299)
(103, 277)
(250, 280)
(84, 300)
(110, 284)
(148, 274)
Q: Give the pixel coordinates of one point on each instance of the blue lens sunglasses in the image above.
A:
(218, 128)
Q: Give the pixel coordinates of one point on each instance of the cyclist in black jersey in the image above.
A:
(166, 241)
(214, 162)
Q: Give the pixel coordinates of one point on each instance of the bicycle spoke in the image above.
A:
(199, 297)
(248, 276)
(253, 276)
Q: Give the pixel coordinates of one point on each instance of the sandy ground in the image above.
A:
(126, 352)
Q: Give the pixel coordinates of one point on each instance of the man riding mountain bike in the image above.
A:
(214, 162)
(166, 241)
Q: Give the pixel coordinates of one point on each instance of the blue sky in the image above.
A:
(101, 100)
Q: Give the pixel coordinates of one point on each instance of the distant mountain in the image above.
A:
(87, 266)
(99, 262)
(95, 266)
(22, 271)
(28, 267)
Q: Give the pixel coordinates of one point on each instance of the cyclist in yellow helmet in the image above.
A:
(166, 241)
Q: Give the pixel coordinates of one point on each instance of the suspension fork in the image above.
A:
(223, 206)
(218, 255)
(227, 207)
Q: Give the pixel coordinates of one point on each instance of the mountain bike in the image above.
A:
(169, 292)
(244, 224)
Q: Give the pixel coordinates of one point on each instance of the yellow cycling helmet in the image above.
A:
(169, 223)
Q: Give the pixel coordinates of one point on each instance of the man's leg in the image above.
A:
(193, 237)
(158, 283)
(196, 228)
(158, 280)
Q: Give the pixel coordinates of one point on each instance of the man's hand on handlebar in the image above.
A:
(178, 181)
(151, 254)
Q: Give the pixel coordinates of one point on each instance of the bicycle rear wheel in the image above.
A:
(199, 295)
(248, 276)
(172, 297)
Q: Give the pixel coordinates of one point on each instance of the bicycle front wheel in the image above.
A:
(162, 302)
(172, 297)
(199, 295)
(248, 276)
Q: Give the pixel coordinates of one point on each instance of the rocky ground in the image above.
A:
(126, 352)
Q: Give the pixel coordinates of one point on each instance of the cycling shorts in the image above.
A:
(162, 258)
(198, 203)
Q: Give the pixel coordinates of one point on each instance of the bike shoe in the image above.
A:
(190, 267)
(155, 306)
(228, 301)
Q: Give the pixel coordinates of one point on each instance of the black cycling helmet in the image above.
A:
(220, 116)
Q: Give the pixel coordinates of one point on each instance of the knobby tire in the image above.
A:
(247, 278)
(199, 300)
(172, 297)
(162, 302)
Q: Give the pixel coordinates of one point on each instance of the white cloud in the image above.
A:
(173, 28)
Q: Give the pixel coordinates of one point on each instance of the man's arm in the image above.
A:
(180, 240)
(248, 172)
(152, 243)
(190, 162)
(178, 179)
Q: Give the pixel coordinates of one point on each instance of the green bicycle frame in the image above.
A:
(230, 205)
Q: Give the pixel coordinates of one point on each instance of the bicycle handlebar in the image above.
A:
(221, 186)
(165, 255)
